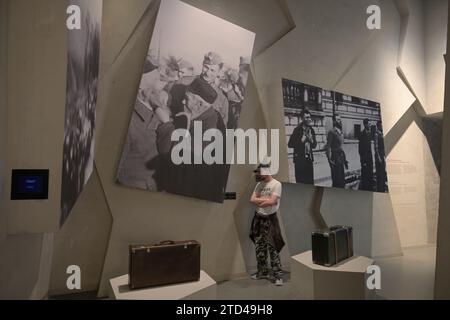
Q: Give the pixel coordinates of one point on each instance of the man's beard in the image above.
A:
(338, 125)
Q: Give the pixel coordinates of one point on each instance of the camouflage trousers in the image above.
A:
(264, 250)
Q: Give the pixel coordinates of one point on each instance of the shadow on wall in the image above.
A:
(298, 217)
(243, 219)
(430, 125)
(3, 101)
(351, 208)
(339, 207)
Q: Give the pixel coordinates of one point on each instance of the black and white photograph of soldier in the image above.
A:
(303, 141)
(196, 71)
(336, 155)
(333, 139)
(81, 101)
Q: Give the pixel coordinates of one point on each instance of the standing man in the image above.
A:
(212, 65)
(380, 159)
(265, 231)
(303, 141)
(177, 90)
(335, 153)
(366, 157)
(230, 88)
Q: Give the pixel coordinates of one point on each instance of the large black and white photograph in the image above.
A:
(81, 100)
(194, 75)
(334, 139)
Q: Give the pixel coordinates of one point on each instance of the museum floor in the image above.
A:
(410, 276)
(407, 277)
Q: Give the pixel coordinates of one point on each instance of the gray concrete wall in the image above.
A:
(82, 241)
(37, 62)
(442, 279)
(436, 17)
(3, 109)
(20, 256)
(32, 36)
(19, 266)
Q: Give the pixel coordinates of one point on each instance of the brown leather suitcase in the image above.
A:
(165, 263)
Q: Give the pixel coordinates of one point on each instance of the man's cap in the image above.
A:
(263, 169)
(171, 63)
(229, 76)
(203, 89)
(212, 58)
(232, 75)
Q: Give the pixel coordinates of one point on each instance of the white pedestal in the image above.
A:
(345, 281)
(204, 289)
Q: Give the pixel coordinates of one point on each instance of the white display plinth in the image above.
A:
(345, 281)
(204, 289)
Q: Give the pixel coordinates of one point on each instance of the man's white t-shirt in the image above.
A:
(266, 190)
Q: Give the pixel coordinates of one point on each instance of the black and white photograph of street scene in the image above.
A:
(81, 101)
(195, 73)
(334, 139)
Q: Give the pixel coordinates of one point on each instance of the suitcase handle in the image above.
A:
(165, 243)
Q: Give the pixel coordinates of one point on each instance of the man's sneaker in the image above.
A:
(259, 276)
(279, 282)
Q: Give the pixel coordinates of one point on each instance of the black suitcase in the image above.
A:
(332, 246)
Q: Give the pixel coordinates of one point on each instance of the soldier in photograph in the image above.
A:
(202, 181)
(335, 153)
(230, 88)
(380, 159)
(211, 68)
(303, 141)
(366, 156)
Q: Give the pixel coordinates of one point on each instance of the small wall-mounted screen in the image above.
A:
(29, 184)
